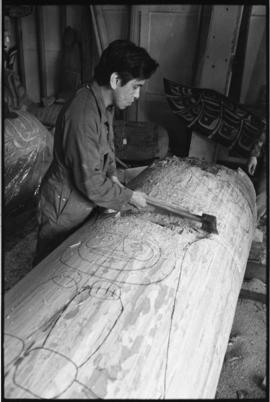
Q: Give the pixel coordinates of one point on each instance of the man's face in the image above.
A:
(125, 95)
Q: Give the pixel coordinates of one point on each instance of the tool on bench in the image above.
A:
(209, 222)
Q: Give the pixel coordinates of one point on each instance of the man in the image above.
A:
(82, 174)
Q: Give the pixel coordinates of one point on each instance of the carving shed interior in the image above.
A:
(168, 300)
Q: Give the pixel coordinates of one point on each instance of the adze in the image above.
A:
(209, 222)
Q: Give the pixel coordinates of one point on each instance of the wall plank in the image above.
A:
(29, 46)
(254, 74)
(170, 34)
(214, 70)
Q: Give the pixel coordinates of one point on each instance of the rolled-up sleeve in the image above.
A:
(84, 156)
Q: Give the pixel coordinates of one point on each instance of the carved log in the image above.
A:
(28, 152)
(136, 306)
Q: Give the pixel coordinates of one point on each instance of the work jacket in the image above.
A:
(83, 162)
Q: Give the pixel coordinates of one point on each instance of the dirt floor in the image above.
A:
(245, 362)
(244, 371)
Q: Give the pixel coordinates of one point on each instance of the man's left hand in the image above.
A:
(252, 164)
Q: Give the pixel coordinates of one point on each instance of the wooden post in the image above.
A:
(41, 52)
(256, 36)
(99, 28)
(19, 40)
(63, 19)
(87, 42)
(238, 63)
(136, 306)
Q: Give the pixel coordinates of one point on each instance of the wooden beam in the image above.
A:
(41, 51)
(99, 27)
(256, 36)
(138, 26)
(255, 270)
(95, 28)
(238, 62)
(203, 30)
(214, 71)
(63, 18)
(252, 295)
(137, 306)
(87, 43)
(19, 41)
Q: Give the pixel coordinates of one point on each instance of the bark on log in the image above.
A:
(139, 306)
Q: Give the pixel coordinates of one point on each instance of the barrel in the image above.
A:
(140, 141)
(137, 305)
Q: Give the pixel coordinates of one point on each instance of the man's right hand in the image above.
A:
(138, 199)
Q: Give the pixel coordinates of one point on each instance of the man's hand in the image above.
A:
(252, 164)
(138, 199)
(116, 180)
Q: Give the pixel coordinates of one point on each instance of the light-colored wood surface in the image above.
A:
(137, 306)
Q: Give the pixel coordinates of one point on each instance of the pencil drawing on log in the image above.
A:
(91, 299)
(132, 256)
(117, 257)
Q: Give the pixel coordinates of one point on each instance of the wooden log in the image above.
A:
(28, 152)
(136, 306)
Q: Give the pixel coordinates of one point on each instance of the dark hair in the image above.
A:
(126, 59)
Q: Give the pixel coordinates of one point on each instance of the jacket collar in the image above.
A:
(106, 113)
